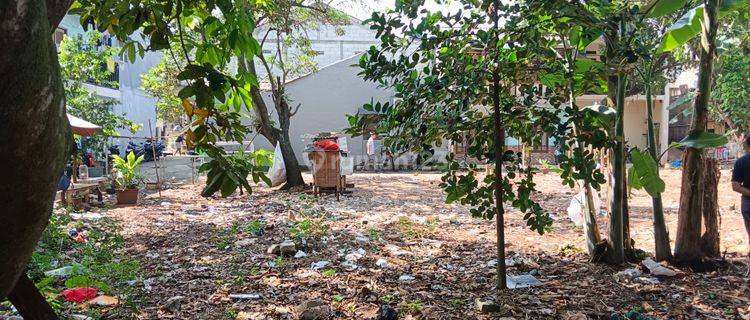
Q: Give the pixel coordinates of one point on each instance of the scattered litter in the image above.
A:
(147, 284)
(319, 265)
(406, 278)
(349, 265)
(647, 280)
(105, 301)
(522, 281)
(300, 254)
(90, 216)
(244, 296)
(382, 263)
(578, 205)
(493, 263)
(627, 275)
(60, 272)
(657, 269)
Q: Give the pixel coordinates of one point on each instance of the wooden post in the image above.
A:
(156, 161)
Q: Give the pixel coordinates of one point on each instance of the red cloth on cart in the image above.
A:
(327, 145)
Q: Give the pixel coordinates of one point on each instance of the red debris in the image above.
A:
(79, 294)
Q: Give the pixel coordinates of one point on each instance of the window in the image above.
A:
(319, 53)
(58, 36)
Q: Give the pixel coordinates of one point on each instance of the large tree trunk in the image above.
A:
(293, 171)
(35, 131)
(662, 248)
(688, 247)
(710, 240)
(267, 128)
(29, 301)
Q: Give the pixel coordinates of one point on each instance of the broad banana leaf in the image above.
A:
(702, 140)
(689, 25)
(658, 8)
(647, 172)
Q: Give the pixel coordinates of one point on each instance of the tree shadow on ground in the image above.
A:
(203, 249)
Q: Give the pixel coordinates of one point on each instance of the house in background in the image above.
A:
(329, 93)
(331, 43)
(327, 96)
(133, 102)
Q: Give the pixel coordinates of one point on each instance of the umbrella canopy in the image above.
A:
(82, 127)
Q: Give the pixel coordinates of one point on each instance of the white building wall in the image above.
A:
(135, 104)
(331, 45)
(327, 96)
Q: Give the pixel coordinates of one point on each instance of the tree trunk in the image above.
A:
(30, 304)
(688, 247)
(590, 228)
(589, 221)
(710, 240)
(293, 171)
(266, 126)
(616, 224)
(661, 234)
(35, 131)
(627, 242)
(499, 132)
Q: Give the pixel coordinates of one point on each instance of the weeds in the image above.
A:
(309, 228)
(410, 307)
(96, 263)
(412, 230)
(372, 233)
(254, 227)
(387, 299)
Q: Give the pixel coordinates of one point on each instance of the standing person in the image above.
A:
(374, 149)
(741, 183)
(178, 144)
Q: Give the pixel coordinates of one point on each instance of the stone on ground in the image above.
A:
(486, 306)
(314, 309)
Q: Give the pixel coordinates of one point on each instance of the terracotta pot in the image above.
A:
(127, 196)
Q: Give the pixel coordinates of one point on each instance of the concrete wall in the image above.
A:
(327, 96)
(635, 119)
(134, 102)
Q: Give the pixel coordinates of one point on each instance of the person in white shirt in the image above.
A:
(374, 150)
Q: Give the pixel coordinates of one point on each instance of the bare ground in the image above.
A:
(188, 247)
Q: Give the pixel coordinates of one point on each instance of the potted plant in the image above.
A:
(127, 178)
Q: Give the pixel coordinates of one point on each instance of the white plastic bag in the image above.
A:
(277, 171)
(578, 205)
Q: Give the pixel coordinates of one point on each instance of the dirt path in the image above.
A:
(394, 241)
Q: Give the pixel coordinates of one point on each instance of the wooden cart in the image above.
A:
(326, 168)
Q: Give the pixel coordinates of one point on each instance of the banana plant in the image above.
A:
(688, 26)
(700, 20)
